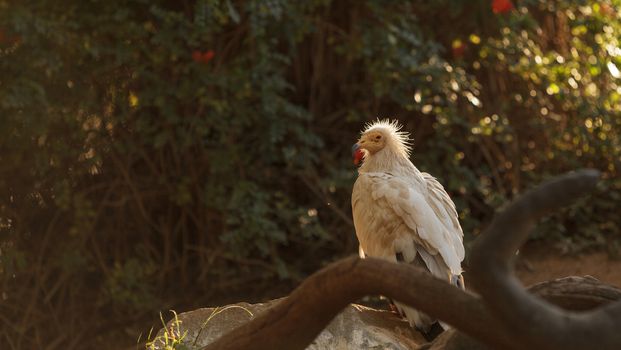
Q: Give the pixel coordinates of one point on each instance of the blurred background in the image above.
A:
(170, 155)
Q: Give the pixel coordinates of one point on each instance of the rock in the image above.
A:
(360, 327)
(357, 328)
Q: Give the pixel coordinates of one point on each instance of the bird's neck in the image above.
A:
(386, 161)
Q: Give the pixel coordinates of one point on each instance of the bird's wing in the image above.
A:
(445, 209)
(394, 214)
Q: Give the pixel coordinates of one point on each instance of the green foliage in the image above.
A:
(153, 151)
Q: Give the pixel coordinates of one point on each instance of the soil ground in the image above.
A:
(538, 263)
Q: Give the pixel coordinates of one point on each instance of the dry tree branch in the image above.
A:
(539, 324)
(576, 293)
(297, 320)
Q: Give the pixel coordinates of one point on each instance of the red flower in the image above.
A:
(207, 56)
(501, 6)
(202, 57)
(7, 38)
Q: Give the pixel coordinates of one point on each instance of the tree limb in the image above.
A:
(539, 324)
(297, 320)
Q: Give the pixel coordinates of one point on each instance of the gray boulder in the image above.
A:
(356, 328)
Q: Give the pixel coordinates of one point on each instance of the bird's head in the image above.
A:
(381, 136)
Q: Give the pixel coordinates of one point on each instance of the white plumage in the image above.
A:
(402, 214)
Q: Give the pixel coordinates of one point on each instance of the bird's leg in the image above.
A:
(391, 303)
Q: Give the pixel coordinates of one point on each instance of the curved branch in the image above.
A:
(576, 293)
(295, 321)
(540, 324)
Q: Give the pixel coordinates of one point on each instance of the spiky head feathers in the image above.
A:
(385, 133)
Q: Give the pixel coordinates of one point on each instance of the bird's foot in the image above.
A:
(431, 332)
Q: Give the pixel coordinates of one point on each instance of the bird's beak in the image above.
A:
(356, 153)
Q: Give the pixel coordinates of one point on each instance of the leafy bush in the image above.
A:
(156, 152)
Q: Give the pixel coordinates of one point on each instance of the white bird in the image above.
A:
(402, 214)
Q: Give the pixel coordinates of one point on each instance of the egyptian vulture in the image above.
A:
(402, 214)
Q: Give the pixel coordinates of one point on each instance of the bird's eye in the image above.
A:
(378, 137)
